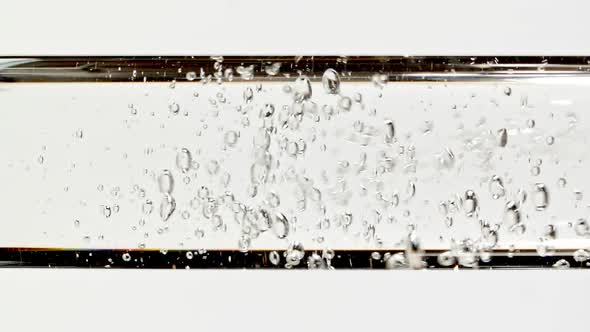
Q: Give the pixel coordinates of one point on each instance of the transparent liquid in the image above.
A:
(394, 162)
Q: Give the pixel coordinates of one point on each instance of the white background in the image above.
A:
(97, 300)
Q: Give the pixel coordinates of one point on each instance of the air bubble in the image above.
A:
(246, 73)
(561, 264)
(331, 81)
(446, 159)
(345, 103)
(581, 255)
(272, 69)
(147, 207)
(496, 187)
(230, 138)
(184, 160)
(530, 123)
(167, 207)
(540, 197)
(166, 182)
(280, 226)
(248, 95)
(294, 254)
(174, 108)
(273, 200)
(274, 258)
(502, 137)
(379, 80)
(511, 214)
(213, 167)
(446, 259)
(389, 132)
(268, 111)
(470, 203)
(302, 89)
(191, 76)
(314, 261)
(262, 139)
(582, 228)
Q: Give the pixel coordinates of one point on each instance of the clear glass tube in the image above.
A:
(296, 162)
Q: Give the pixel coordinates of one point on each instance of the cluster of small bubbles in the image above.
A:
(277, 139)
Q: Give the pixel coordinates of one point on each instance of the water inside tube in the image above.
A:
(464, 161)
